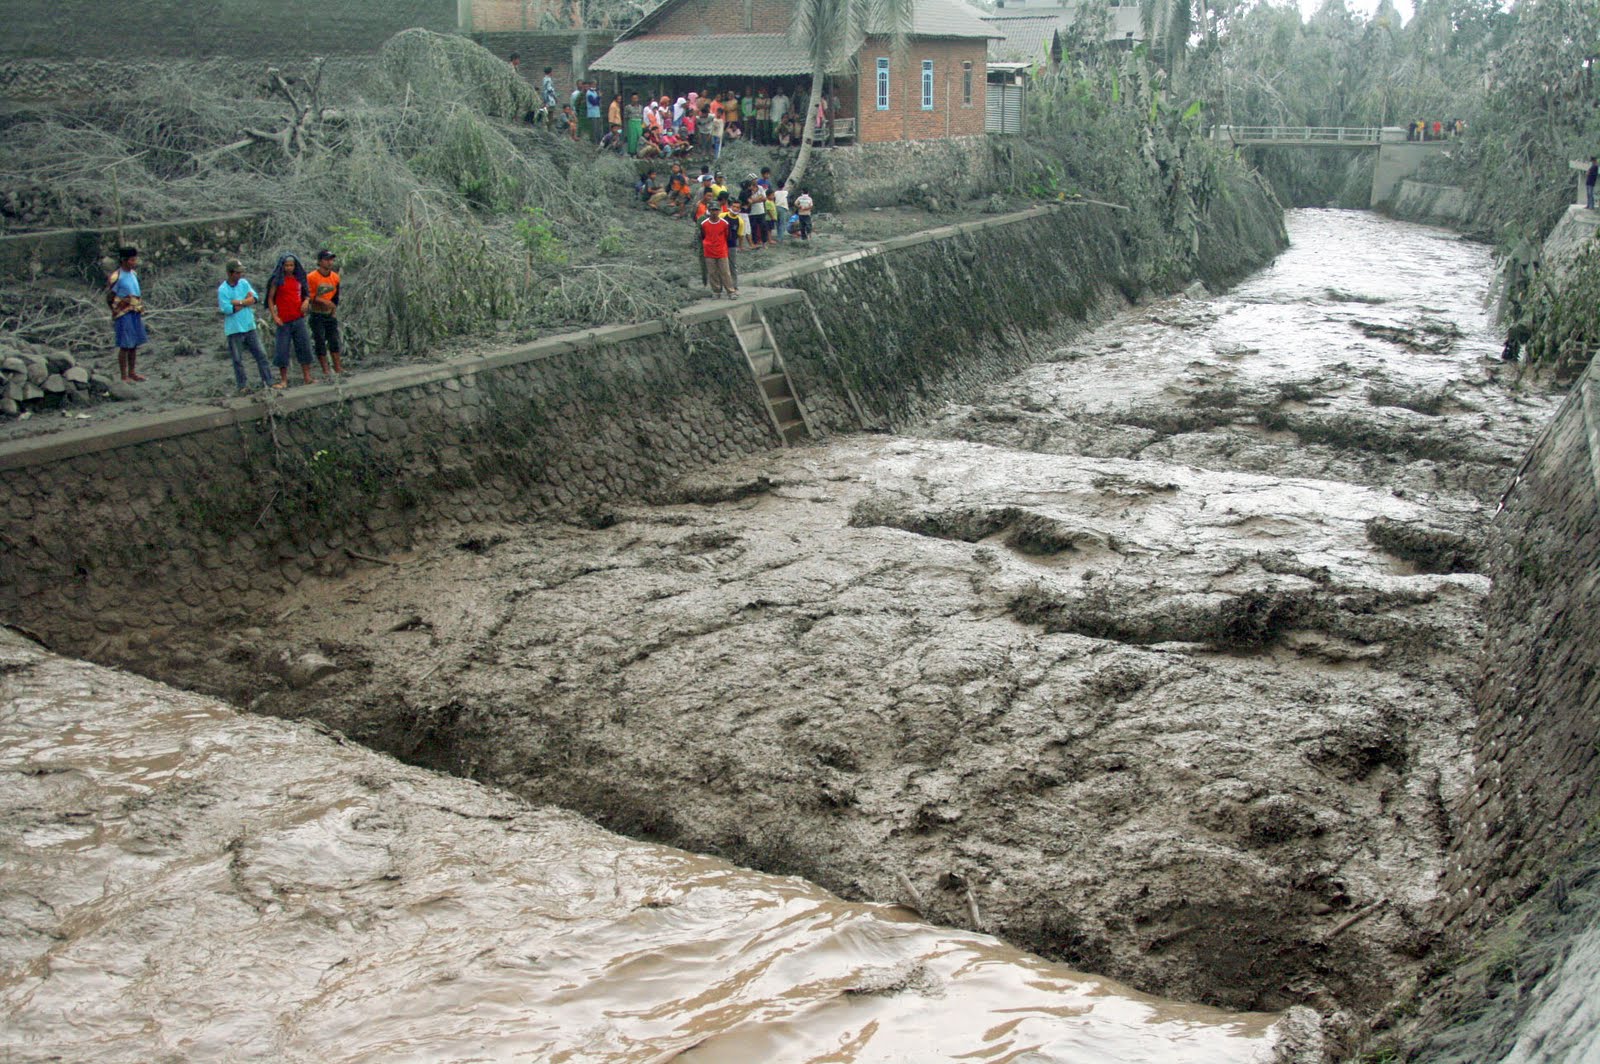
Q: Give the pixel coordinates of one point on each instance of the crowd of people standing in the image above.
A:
(1421, 129)
(694, 123)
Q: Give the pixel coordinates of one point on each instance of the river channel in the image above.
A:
(1155, 659)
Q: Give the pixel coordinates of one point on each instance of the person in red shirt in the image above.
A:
(289, 296)
(715, 236)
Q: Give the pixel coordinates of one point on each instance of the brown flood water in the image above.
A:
(183, 882)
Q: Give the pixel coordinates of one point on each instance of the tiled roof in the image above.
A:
(944, 18)
(747, 54)
(1026, 40)
(931, 18)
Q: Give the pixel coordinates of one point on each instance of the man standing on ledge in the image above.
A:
(715, 238)
(323, 284)
(1589, 178)
(235, 298)
(127, 312)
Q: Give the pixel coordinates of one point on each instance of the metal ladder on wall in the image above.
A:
(766, 365)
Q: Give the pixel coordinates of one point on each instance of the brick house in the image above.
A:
(932, 88)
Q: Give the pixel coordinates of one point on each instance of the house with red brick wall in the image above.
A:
(932, 87)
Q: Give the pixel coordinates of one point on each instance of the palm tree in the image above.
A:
(830, 31)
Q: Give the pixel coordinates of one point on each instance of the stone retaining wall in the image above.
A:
(86, 254)
(1536, 787)
(205, 515)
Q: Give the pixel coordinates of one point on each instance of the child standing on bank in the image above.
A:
(802, 207)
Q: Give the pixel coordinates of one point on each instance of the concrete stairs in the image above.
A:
(760, 348)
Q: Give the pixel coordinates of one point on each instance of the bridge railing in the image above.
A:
(1301, 134)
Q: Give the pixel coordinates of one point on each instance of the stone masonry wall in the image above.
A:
(184, 519)
(1536, 786)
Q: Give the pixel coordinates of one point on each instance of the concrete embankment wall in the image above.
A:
(1536, 788)
(1430, 204)
(197, 516)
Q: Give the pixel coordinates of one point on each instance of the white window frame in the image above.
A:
(927, 84)
(883, 83)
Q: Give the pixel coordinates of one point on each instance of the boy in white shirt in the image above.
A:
(802, 206)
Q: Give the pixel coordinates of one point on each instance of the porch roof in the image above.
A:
(730, 54)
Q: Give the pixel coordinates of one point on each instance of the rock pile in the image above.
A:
(37, 378)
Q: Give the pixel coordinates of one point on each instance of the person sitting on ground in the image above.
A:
(650, 191)
(125, 299)
(612, 141)
(678, 192)
(235, 298)
(323, 284)
(567, 123)
(651, 148)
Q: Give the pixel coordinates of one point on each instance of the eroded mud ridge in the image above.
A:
(1156, 659)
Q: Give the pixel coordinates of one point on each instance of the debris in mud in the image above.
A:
(969, 524)
(1430, 401)
(1432, 550)
(1029, 533)
(1339, 295)
(909, 976)
(481, 544)
(1245, 621)
(1131, 487)
(1430, 336)
(708, 491)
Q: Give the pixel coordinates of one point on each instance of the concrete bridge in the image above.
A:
(1398, 158)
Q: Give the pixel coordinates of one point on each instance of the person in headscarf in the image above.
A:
(289, 297)
(677, 112)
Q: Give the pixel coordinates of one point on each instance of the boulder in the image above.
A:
(17, 390)
(37, 370)
(9, 407)
(60, 362)
(31, 391)
(119, 389)
(54, 384)
(13, 364)
(77, 375)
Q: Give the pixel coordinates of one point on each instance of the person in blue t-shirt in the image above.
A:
(126, 301)
(235, 298)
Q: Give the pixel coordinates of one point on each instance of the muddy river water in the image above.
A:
(1154, 660)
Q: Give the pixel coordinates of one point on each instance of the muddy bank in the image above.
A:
(1156, 660)
(184, 881)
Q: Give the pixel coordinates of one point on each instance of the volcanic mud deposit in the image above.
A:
(1156, 659)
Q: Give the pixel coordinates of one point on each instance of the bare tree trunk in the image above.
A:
(804, 158)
